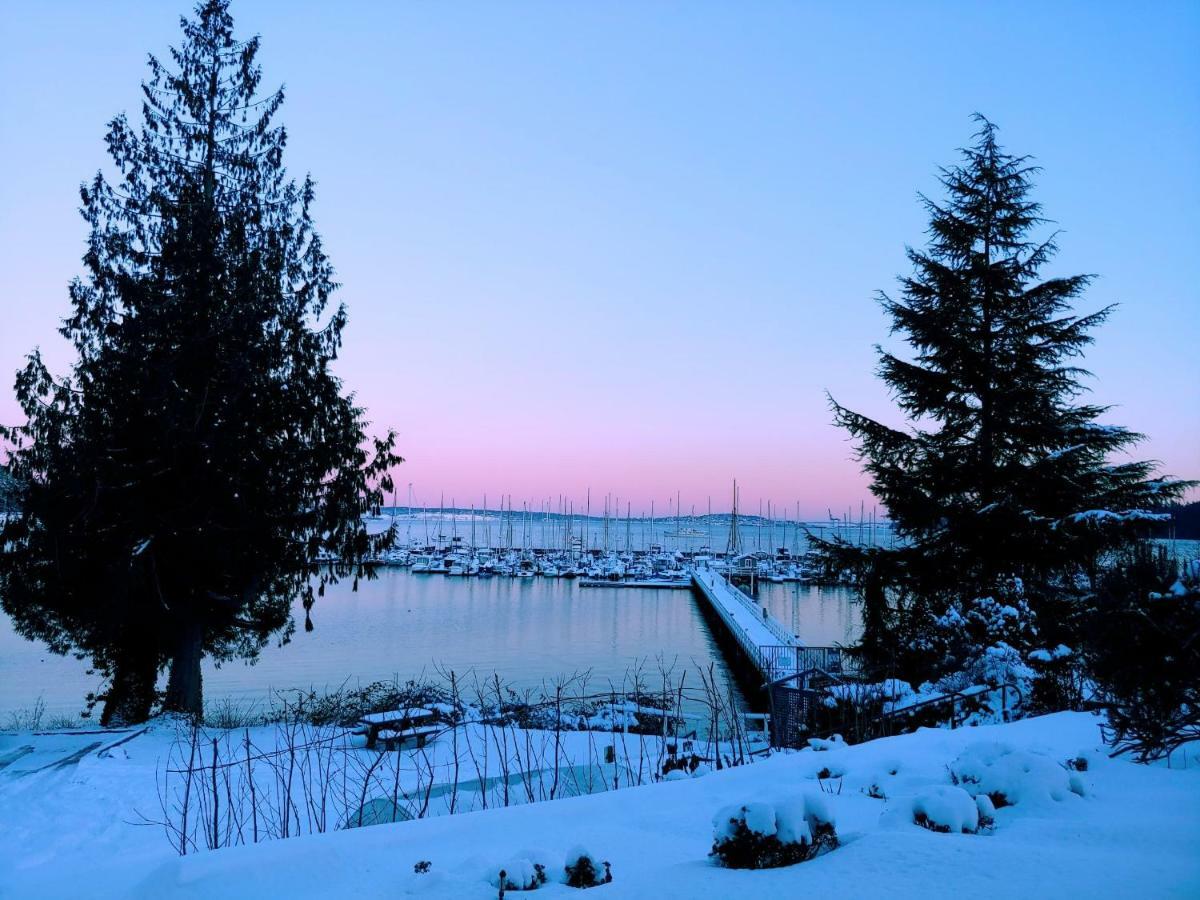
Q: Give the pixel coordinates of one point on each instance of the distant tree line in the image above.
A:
(1185, 522)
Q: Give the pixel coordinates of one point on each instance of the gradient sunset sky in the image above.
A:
(629, 246)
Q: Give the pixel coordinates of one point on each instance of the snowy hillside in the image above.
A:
(1069, 822)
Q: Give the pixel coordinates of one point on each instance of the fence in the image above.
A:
(801, 709)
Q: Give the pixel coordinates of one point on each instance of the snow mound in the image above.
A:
(987, 810)
(833, 742)
(1009, 776)
(946, 808)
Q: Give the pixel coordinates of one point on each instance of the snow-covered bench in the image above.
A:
(399, 729)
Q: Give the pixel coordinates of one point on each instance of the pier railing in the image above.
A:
(713, 582)
(783, 661)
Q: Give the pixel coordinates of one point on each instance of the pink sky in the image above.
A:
(613, 247)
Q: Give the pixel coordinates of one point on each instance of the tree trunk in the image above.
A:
(131, 693)
(184, 691)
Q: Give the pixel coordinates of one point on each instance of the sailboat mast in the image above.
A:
(734, 546)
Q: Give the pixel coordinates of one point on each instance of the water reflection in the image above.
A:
(404, 626)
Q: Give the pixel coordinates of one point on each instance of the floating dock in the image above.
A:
(654, 584)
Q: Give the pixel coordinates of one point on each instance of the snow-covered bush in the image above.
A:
(519, 874)
(890, 689)
(946, 809)
(968, 628)
(1007, 776)
(686, 764)
(1000, 663)
(1060, 680)
(585, 870)
(765, 835)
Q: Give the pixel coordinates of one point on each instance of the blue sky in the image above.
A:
(630, 245)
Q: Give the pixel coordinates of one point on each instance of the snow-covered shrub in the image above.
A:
(1060, 680)
(1000, 663)
(584, 870)
(963, 634)
(765, 835)
(946, 809)
(1008, 776)
(890, 689)
(688, 764)
(874, 791)
(519, 874)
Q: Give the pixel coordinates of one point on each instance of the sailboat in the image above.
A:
(684, 531)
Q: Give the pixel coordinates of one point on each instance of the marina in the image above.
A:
(648, 551)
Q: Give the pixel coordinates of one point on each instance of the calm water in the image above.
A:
(403, 625)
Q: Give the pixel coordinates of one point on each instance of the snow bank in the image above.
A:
(66, 831)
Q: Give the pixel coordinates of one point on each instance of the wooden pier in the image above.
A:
(770, 648)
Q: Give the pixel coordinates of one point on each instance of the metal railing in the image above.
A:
(799, 711)
(783, 661)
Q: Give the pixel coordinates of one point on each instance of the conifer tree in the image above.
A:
(1002, 486)
(178, 488)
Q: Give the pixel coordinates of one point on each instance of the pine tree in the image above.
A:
(179, 487)
(1001, 486)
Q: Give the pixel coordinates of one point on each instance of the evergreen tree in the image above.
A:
(1142, 652)
(1001, 488)
(8, 492)
(179, 487)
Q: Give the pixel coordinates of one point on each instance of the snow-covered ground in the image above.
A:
(1115, 829)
